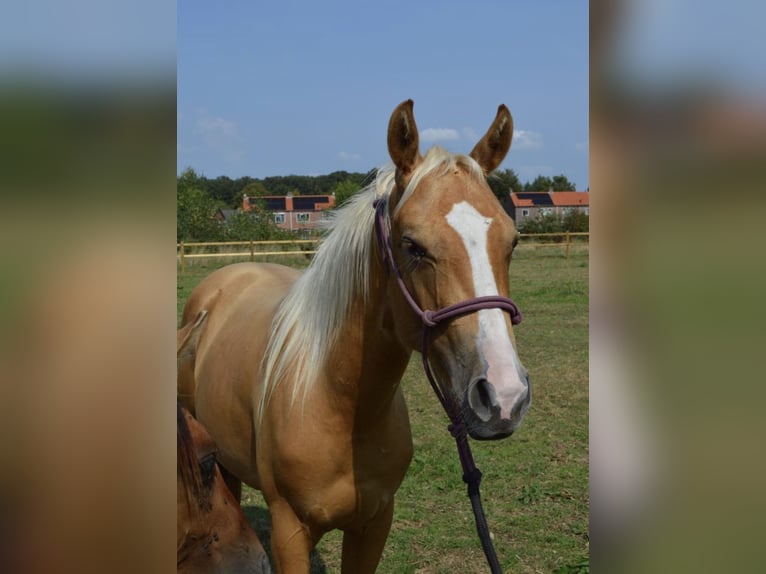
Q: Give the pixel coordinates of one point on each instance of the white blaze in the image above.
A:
(494, 342)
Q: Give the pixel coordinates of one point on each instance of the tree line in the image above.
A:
(229, 191)
(199, 198)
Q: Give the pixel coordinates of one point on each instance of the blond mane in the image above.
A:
(307, 322)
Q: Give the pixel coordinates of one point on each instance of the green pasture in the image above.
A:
(535, 485)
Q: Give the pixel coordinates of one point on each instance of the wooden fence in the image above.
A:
(567, 239)
(253, 249)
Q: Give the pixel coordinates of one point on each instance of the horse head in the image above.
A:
(213, 534)
(452, 242)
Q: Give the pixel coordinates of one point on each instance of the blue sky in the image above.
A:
(307, 88)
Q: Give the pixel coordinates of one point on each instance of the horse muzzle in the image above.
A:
(490, 415)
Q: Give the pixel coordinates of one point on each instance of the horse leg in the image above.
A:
(291, 541)
(362, 548)
(233, 483)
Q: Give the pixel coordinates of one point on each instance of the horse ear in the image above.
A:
(491, 149)
(403, 138)
(188, 335)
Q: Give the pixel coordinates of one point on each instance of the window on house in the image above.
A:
(525, 213)
(279, 218)
(587, 211)
(546, 211)
(302, 217)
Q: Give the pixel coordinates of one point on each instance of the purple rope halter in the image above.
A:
(430, 319)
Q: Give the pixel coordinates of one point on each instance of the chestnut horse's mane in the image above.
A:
(310, 316)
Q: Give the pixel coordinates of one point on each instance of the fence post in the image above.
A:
(252, 252)
(183, 263)
(567, 245)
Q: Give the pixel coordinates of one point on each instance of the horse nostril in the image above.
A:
(522, 404)
(481, 398)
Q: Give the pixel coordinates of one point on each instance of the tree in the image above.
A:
(561, 183)
(540, 183)
(194, 209)
(221, 189)
(503, 182)
(190, 179)
(556, 183)
(343, 190)
(254, 189)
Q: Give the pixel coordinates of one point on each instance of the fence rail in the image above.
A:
(186, 251)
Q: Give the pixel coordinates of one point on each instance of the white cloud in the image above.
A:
(348, 156)
(220, 136)
(525, 139)
(438, 134)
(470, 134)
(215, 127)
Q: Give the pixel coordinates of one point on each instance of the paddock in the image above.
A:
(535, 486)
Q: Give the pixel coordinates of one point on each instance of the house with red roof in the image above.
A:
(527, 205)
(293, 212)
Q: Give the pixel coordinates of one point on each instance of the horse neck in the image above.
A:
(368, 359)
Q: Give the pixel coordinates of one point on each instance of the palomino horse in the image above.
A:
(297, 375)
(213, 534)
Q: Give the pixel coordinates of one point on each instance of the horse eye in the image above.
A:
(414, 249)
(207, 468)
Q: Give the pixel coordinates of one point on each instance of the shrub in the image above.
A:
(574, 221)
(545, 223)
(256, 226)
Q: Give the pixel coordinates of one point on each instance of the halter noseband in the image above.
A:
(430, 319)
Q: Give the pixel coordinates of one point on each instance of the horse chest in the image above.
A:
(355, 497)
(347, 485)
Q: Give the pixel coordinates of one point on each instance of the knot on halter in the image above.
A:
(457, 429)
(473, 480)
(428, 319)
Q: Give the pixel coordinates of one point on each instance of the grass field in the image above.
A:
(535, 485)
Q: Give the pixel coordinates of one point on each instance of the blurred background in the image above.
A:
(87, 174)
(678, 143)
(87, 312)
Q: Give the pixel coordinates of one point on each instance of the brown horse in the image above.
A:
(213, 534)
(297, 375)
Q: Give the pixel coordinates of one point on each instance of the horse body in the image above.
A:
(238, 299)
(336, 464)
(297, 375)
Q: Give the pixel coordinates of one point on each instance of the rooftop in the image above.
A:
(551, 198)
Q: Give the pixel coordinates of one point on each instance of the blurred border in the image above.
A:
(87, 173)
(678, 143)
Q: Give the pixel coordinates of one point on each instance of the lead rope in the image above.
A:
(471, 474)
